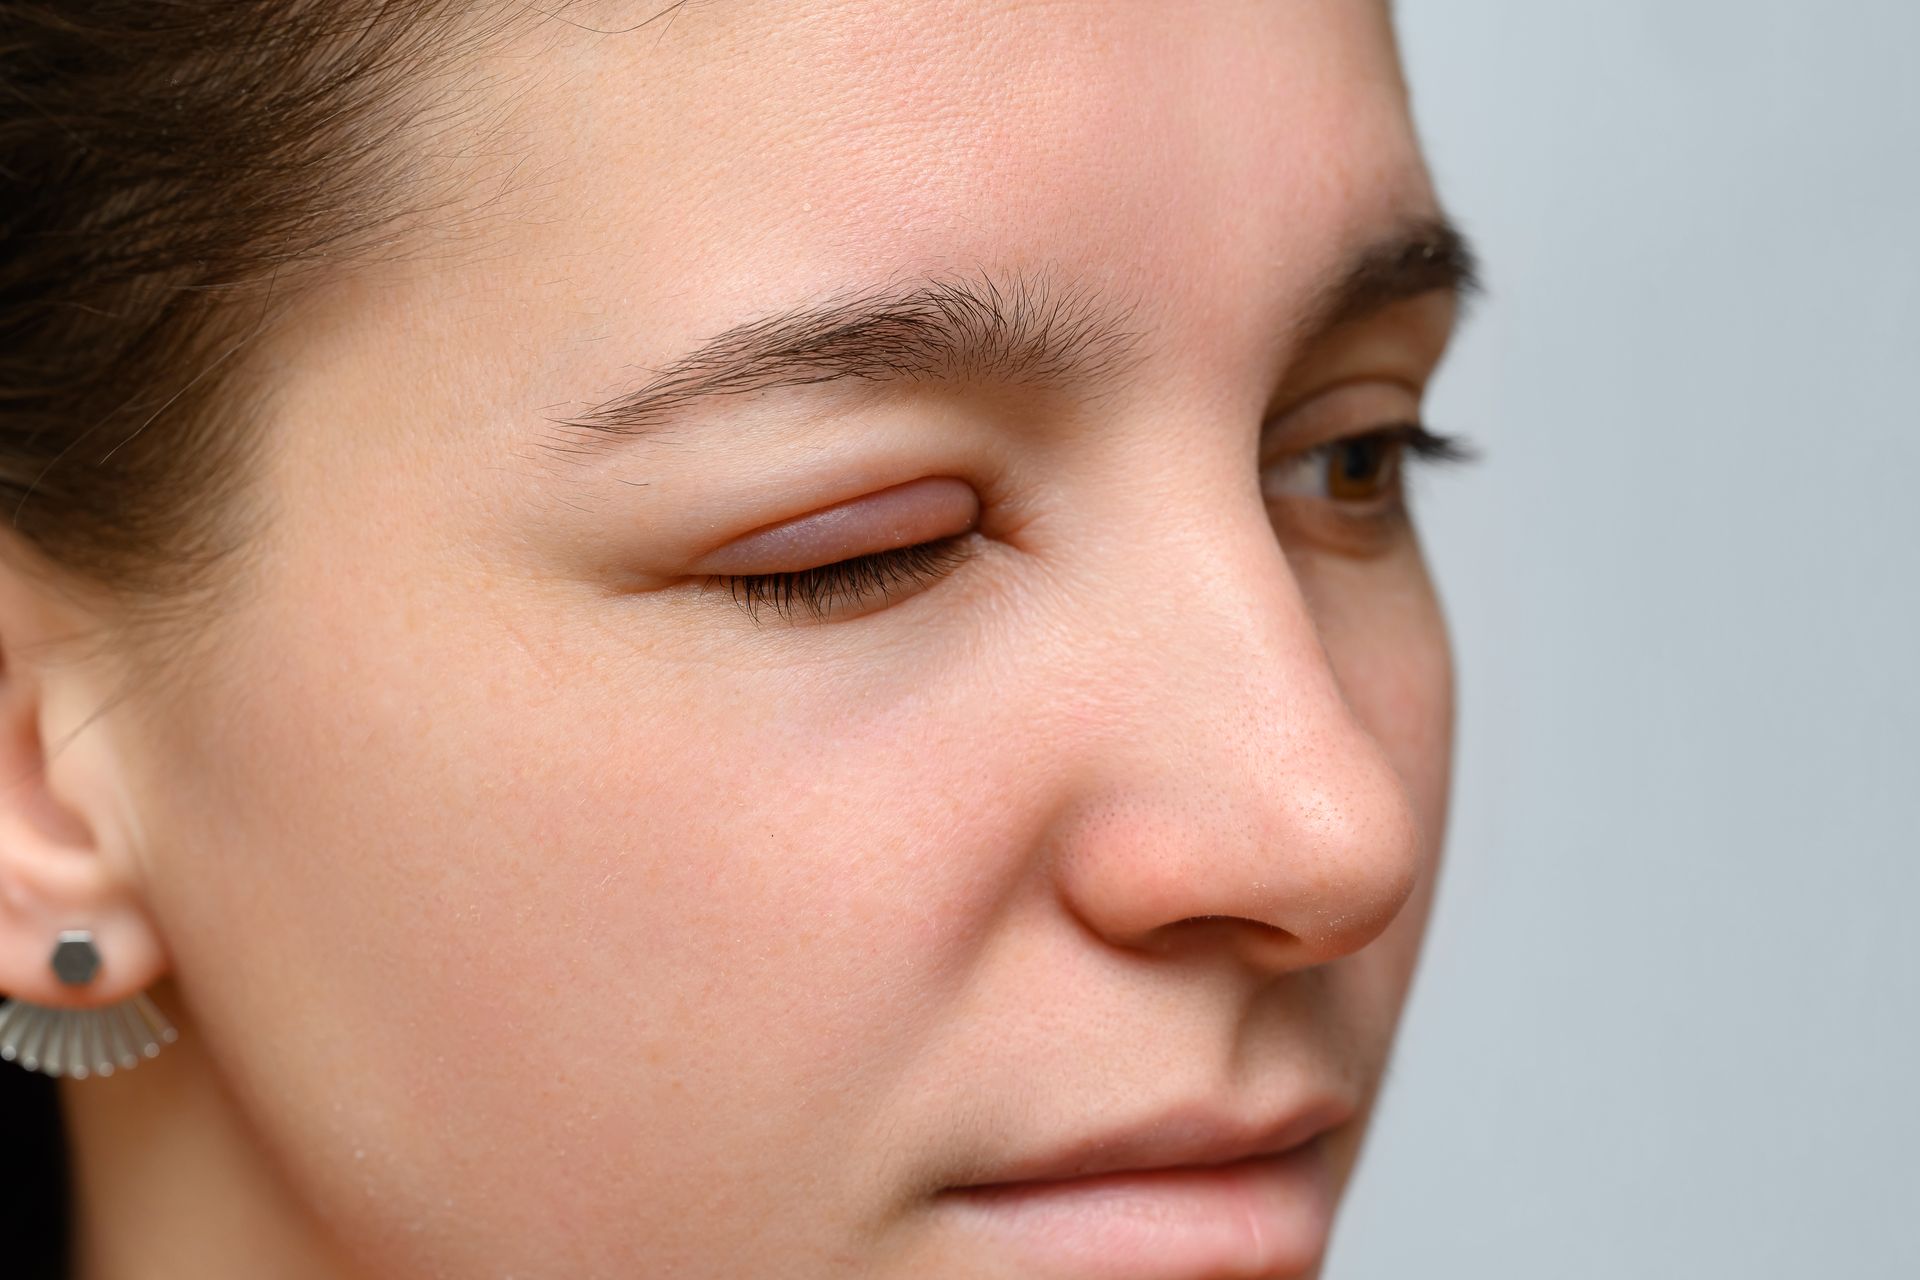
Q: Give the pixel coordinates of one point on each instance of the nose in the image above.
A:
(1224, 792)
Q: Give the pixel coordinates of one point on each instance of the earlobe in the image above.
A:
(81, 1042)
(65, 860)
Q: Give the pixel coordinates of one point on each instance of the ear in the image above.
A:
(68, 833)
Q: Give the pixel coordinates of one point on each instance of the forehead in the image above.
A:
(628, 188)
(729, 145)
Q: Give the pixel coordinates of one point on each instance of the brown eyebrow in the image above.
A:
(1428, 256)
(1028, 330)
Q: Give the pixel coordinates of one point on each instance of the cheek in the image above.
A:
(535, 950)
(1386, 638)
(1380, 623)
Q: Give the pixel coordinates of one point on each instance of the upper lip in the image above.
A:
(1188, 1135)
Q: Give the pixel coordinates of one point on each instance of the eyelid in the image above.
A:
(856, 580)
(917, 511)
(1413, 439)
(1353, 407)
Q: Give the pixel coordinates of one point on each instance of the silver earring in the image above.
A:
(82, 1042)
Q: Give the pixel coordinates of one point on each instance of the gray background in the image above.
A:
(1668, 1022)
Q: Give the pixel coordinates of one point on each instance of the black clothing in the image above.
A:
(34, 1197)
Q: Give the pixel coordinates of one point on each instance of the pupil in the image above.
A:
(1361, 469)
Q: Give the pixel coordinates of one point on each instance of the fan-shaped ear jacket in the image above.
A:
(82, 1042)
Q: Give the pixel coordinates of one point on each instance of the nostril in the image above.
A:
(1262, 943)
(1238, 922)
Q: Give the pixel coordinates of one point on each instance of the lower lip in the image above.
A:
(1269, 1217)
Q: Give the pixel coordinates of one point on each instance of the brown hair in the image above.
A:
(172, 174)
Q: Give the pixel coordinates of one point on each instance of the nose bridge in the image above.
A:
(1223, 776)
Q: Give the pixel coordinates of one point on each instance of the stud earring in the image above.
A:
(82, 1042)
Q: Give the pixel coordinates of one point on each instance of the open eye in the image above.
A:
(1361, 470)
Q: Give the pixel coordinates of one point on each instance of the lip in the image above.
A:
(1184, 1136)
(1192, 1192)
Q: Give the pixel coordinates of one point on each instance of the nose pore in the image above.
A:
(1234, 800)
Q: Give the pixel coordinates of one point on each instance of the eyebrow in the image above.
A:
(1032, 330)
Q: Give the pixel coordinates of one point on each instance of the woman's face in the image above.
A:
(552, 909)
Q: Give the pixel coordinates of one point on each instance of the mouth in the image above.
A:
(1218, 1199)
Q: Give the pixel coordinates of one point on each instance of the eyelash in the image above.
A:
(856, 579)
(853, 579)
(1415, 438)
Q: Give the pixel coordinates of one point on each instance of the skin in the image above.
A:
(529, 911)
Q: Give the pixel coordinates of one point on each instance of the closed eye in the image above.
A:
(845, 584)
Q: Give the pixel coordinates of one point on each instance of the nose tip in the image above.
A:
(1349, 849)
(1284, 872)
(1243, 756)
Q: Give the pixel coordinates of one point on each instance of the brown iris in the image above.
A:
(1361, 469)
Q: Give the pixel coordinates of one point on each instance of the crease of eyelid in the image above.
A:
(837, 532)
